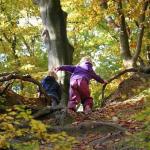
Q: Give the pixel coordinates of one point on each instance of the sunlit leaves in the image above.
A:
(20, 21)
(18, 124)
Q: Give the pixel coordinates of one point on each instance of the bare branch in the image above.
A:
(113, 78)
(27, 45)
(27, 78)
(6, 38)
(145, 70)
(6, 87)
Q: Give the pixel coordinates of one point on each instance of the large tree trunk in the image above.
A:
(55, 37)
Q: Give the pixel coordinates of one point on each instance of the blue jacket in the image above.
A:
(52, 87)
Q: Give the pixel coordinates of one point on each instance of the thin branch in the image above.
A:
(27, 46)
(113, 78)
(6, 38)
(6, 87)
(27, 78)
(7, 73)
(46, 110)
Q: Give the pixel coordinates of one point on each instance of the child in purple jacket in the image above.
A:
(79, 84)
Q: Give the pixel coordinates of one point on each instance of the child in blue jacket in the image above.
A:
(52, 87)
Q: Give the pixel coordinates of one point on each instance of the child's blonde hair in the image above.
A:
(86, 58)
(53, 74)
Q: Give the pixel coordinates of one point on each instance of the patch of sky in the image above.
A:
(3, 58)
(87, 2)
(33, 21)
(97, 33)
(44, 47)
(24, 52)
(16, 88)
(104, 59)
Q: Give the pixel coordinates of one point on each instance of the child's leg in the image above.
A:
(74, 97)
(54, 102)
(87, 100)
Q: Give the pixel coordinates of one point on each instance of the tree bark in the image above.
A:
(86, 126)
(124, 42)
(59, 50)
(140, 34)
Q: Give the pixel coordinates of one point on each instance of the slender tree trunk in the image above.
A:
(124, 39)
(55, 37)
(140, 33)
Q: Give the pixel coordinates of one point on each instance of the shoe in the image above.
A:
(87, 110)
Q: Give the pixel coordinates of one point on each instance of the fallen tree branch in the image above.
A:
(28, 78)
(13, 98)
(7, 73)
(145, 70)
(46, 110)
(113, 78)
(5, 88)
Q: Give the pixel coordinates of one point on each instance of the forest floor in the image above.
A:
(119, 113)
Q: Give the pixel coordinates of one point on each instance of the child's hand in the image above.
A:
(56, 69)
(105, 81)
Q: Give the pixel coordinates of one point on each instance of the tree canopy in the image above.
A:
(114, 33)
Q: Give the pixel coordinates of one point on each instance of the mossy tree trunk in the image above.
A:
(54, 35)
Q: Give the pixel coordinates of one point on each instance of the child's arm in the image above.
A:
(94, 75)
(68, 68)
(97, 77)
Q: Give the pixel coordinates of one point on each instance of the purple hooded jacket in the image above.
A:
(84, 70)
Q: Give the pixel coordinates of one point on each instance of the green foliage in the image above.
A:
(20, 43)
(34, 145)
(23, 88)
(17, 124)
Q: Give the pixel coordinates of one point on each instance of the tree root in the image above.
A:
(109, 136)
(86, 127)
(47, 110)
